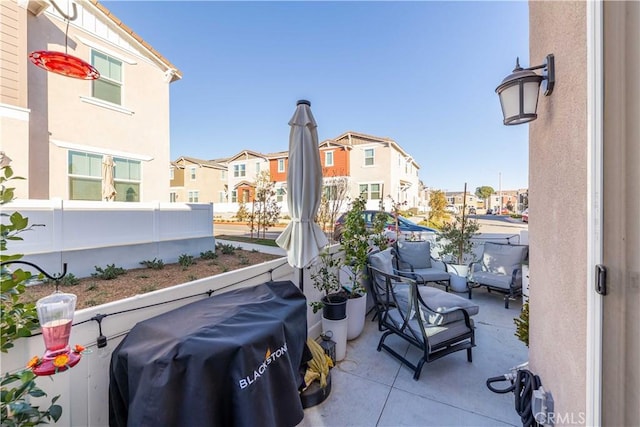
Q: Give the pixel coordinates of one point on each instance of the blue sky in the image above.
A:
(421, 73)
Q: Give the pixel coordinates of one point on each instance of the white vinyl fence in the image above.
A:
(88, 234)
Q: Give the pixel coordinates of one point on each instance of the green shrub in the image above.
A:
(185, 261)
(109, 272)
(243, 260)
(227, 249)
(208, 255)
(522, 324)
(68, 280)
(155, 264)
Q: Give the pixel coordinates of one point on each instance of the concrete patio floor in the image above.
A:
(371, 388)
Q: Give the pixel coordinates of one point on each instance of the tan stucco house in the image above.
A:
(584, 227)
(58, 130)
(197, 181)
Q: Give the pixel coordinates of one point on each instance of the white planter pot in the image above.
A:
(525, 283)
(356, 312)
(338, 330)
(458, 273)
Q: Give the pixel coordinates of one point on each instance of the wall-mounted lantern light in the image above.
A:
(519, 91)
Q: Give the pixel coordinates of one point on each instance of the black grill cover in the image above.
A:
(230, 360)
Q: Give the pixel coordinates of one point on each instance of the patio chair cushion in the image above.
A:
(438, 300)
(502, 281)
(430, 274)
(437, 333)
(418, 254)
(502, 259)
(382, 260)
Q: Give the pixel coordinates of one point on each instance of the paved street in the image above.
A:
(488, 224)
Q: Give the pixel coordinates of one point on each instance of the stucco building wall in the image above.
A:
(558, 207)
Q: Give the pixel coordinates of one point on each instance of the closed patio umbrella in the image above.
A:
(108, 187)
(303, 239)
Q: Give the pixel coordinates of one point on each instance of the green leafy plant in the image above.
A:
(208, 255)
(455, 237)
(186, 260)
(243, 260)
(522, 324)
(325, 278)
(355, 244)
(17, 320)
(226, 248)
(16, 409)
(109, 272)
(155, 264)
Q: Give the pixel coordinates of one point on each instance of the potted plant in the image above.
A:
(333, 303)
(355, 244)
(456, 247)
(326, 279)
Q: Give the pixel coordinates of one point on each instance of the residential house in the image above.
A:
(378, 168)
(373, 166)
(457, 199)
(243, 171)
(584, 233)
(58, 130)
(195, 180)
(505, 199)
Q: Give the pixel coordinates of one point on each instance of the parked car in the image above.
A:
(405, 226)
(472, 211)
(525, 215)
(451, 209)
(489, 212)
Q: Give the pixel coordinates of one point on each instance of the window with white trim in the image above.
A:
(85, 176)
(194, 195)
(371, 191)
(173, 197)
(280, 194)
(328, 158)
(127, 178)
(222, 196)
(368, 157)
(223, 175)
(192, 173)
(280, 165)
(239, 170)
(257, 168)
(234, 196)
(109, 86)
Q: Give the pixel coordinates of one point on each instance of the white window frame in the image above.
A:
(239, 170)
(234, 196)
(368, 191)
(372, 157)
(193, 196)
(132, 181)
(70, 176)
(328, 158)
(192, 172)
(120, 83)
(173, 197)
(223, 175)
(222, 196)
(281, 165)
(257, 168)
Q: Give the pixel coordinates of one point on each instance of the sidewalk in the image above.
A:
(251, 246)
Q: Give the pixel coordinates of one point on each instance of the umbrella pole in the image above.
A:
(301, 279)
